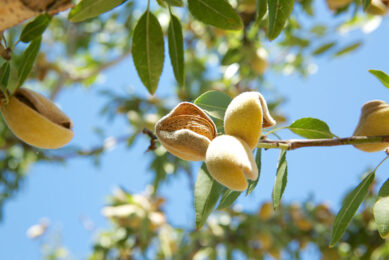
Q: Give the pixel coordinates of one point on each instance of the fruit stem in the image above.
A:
(4, 97)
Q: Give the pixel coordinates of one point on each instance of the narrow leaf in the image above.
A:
(384, 190)
(4, 74)
(279, 12)
(281, 179)
(348, 49)
(381, 216)
(176, 49)
(207, 193)
(307, 6)
(311, 128)
(232, 56)
(218, 13)
(162, 3)
(296, 41)
(148, 50)
(228, 198)
(381, 76)
(35, 28)
(323, 48)
(253, 184)
(261, 9)
(214, 103)
(28, 60)
(319, 30)
(91, 8)
(349, 207)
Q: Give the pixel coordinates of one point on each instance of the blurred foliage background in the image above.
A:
(74, 54)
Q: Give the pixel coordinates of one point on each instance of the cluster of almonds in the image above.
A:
(188, 133)
(36, 120)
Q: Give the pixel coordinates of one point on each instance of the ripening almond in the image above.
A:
(36, 120)
(258, 61)
(186, 132)
(374, 121)
(245, 117)
(377, 7)
(337, 4)
(230, 162)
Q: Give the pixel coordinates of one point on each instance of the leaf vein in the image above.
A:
(213, 9)
(148, 47)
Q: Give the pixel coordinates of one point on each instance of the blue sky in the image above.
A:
(66, 194)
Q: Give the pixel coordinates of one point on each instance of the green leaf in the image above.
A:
(349, 207)
(261, 9)
(366, 4)
(176, 49)
(296, 41)
(91, 8)
(279, 12)
(161, 3)
(323, 48)
(218, 13)
(311, 128)
(384, 190)
(381, 76)
(228, 198)
(319, 30)
(281, 179)
(4, 74)
(348, 49)
(253, 184)
(148, 50)
(179, 3)
(35, 28)
(214, 103)
(28, 60)
(207, 193)
(307, 6)
(232, 56)
(381, 216)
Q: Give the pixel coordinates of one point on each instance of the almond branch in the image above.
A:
(293, 144)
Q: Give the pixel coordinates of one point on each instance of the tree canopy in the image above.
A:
(216, 50)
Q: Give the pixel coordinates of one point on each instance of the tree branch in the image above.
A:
(102, 67)
(65, 75)
(293, 144)
(109, 143)
(290, 144)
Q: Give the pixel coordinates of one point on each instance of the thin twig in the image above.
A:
(102, 67)
(376, 168)
(153, 139)
(108, 144)
(65, 75)
(293, 144)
